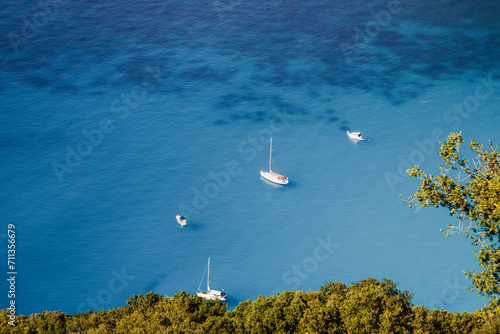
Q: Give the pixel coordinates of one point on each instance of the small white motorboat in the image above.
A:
(354, 135)
(181, 220)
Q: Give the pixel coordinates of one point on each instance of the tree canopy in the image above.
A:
(368, 306)
(470, 190)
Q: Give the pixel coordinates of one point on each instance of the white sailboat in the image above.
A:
(270, 175)
(210, 294)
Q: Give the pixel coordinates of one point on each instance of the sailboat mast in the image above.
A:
(270, 153)
(208, 276)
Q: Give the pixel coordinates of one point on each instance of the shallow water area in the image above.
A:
(116, 118)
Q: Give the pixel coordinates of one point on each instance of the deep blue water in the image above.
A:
(115, 117)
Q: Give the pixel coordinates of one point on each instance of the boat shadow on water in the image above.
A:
(192, 225)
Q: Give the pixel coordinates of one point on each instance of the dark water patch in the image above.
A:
(397, 101)
(221, 122)
(203, 73)
(99, 82)
(392, 39)
(460, 62)
(135, 69)
(426, 37)
(232, 100)
(493, 41)
(229, 72)
(249, 95)
(456, 14)
(387, 82)
(30, 141)
(12, 66)
(333, 119)
(197, 61)
(66, 89)
(366, 86)
(409, 94)
(168, 87)
(6, 142)
(260, 113)
(250, 116)
(277, 78)
(422, 86)
(31, 63)
(435, 71)
(465, 43)
(298, 79)
(259, 116)
(262, 65)
(313, 94)
(195, 44)
(351, 80)
(273, 34)
(388, 94)
(36, 81)
(343, 128)
(238, 42)
(228, 101)
(288, 108)
(330, 111)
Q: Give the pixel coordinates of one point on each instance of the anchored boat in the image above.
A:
(210, 294)
(270, 175)
(355, 135)
(181, 220)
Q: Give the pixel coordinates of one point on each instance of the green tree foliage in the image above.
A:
(369, 306)
(470, 190)
(290, 312)
(443, 322)
(372, 306)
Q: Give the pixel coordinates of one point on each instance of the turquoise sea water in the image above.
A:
(115, 117)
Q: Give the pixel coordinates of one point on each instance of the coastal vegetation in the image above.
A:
(368, 306)
(470, 190)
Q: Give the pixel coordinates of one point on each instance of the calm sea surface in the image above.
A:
(117, 116)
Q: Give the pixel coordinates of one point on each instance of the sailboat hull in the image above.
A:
(270, 175)
(212, 295)
(274, 177)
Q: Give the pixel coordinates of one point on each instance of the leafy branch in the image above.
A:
(471, 193)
